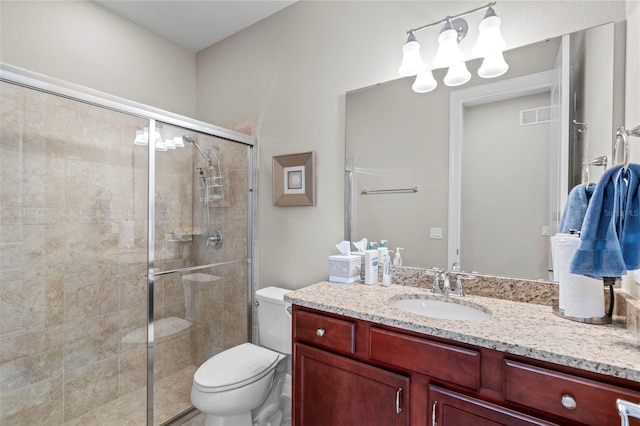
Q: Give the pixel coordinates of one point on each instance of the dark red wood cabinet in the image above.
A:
(352, 372)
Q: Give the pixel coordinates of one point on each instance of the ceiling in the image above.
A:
(197, 24)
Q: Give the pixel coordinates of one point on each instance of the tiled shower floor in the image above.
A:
(172, 396)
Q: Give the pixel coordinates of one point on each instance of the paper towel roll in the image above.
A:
(579, 296)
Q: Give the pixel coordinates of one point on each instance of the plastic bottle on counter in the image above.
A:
(371, 265)
(382, 250)
(386, 270)
(397, 260)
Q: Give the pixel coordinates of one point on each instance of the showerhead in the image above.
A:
(189, 139)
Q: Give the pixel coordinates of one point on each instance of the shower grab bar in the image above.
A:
(389, 191)
(197, 268)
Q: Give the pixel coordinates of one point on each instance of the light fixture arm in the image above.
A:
(451, 18)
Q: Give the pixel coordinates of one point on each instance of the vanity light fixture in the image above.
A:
(489, 46)
(142, 138)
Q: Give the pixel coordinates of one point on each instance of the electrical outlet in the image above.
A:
(435, 233)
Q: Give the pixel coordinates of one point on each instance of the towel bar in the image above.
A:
(389, 191)
(627, 409)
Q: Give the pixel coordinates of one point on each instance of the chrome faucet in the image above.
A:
(442, 281)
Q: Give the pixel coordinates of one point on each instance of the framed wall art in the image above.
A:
(294, 179)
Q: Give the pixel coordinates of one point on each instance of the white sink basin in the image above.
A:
(440, 309)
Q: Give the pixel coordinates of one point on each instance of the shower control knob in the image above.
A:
(320, 332)
(568, 402)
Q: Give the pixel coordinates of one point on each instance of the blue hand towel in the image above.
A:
(630, 226)
(576, 208)
(599, 254)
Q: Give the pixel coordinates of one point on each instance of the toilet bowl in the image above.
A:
(231, 385)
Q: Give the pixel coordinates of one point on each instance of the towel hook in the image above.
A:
(621, 135)
(585, 172)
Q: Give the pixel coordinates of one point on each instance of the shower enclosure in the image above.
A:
(126, 247)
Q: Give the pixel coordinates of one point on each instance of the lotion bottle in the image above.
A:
(382, 250)
(371, 265)
(386, 270)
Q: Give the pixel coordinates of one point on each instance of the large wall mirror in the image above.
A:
(479, 174)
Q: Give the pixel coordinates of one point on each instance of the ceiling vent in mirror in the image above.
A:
(535, 116)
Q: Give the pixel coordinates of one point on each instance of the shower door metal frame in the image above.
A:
(43, 83)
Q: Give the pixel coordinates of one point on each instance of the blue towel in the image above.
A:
(611, 227)
(630, 226)
(576, 208)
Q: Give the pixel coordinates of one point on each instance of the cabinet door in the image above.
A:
(333, 390)
(454, 409)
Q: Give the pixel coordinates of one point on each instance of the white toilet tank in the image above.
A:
(274, 319)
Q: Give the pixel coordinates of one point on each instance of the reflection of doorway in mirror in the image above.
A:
(294, 182)
(502, 158)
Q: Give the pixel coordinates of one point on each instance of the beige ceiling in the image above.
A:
(198, 24)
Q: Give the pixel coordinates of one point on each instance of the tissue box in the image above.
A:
(344, 268)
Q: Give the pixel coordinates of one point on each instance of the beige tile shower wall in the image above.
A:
(69, 291)
(221, 313)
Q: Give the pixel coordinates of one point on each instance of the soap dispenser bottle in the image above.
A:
(397, 260)
(382, 250)
(371, 265)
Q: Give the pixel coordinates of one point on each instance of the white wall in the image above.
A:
(293, 70)
(86, 44)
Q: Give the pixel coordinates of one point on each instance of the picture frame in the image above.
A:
(294, 179)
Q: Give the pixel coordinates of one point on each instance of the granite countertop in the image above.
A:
(526, 329)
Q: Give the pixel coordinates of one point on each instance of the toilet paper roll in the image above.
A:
(579, 296)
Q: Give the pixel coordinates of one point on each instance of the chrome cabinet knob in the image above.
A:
(320, 332)
(568, 402)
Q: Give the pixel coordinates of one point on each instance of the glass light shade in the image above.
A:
(457, 75)
(490, 39)
(493, 65)
(412, 62)
(178, 142)
(448, 50)
(169, 144)
(160, 146)
(141, 138)
(424, 82)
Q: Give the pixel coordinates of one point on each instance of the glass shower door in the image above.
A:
(72, 261)
(201, 272)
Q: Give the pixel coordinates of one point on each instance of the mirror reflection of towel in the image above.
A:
(610, 238)
(576, 208)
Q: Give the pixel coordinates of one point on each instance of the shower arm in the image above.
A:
(189, 139)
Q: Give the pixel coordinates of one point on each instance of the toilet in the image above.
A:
(248, 378)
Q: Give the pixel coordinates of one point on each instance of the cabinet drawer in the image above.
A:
(552, 392)
(329, 333)
(446, 362)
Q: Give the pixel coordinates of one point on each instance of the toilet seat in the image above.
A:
(235, 367)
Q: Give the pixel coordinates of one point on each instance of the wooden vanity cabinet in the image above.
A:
(454, 409)
(352, 372)
(333, 390)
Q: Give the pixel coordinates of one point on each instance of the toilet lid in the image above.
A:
(236, 367)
